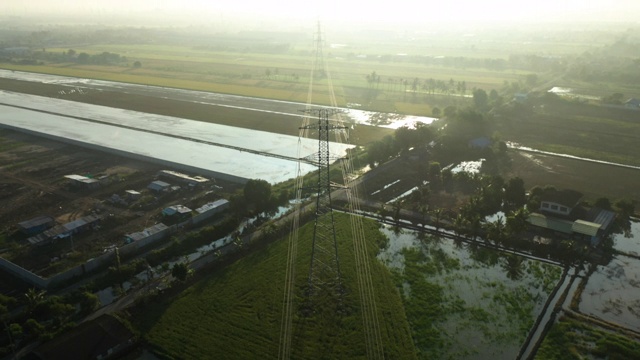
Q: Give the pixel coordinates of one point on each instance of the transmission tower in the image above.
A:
(324, 271)
(319, 70)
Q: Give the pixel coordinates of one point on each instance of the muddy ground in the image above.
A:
(32, 183)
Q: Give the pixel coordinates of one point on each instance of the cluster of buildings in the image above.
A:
(561, 213)
(44, 230)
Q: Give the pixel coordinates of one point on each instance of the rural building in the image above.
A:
(633, 103)
(66, 230)
(36, 225)
(213, 207)
(184, 178)
(208, 210)
(158, 186)
(82, 182)
(132, 195)
(145, 234)
(102, 338)
(559, 202)
(561, 213)
(177, 213)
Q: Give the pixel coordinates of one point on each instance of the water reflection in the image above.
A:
(483, 294)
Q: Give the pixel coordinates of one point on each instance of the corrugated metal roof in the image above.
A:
(37, 221)
(147, 232)
(180, 209)
(212, 205)
(601, 216)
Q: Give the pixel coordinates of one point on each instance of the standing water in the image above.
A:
(466, 301)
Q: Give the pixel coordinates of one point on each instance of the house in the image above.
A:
(158, 186)
(559, 202)
(632, 103)
(36, 225)
(560, 212)
(102, 338)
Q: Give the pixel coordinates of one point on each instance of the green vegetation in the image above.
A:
(452, 294)
(572, 338)
(236, 312)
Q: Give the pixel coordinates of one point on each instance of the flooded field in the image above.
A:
(465, 301)
(285, 108)
(612, 292)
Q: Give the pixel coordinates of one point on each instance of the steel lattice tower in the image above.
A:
(319, 70)
(324, 271)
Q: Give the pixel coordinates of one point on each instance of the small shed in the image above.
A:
(132, 194)
(36, 225)
(184, 178)
(158, 186)
(84, 182)
(179, 210)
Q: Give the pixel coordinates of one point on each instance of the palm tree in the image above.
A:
(438, 214)
(513, 266)
(517, 221)
(475, 225)
(34, 298)
(496, 231)
(460, 225)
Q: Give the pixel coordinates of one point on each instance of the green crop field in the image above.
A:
(236, 312)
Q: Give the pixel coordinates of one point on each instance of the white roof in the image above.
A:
(126, 130)
(174, 151)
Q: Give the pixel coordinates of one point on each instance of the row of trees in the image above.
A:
(104, 58)
(430, 86)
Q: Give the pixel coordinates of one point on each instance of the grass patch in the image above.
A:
(236, 312)
(571, 339)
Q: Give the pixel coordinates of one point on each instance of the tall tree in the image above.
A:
(480, 99)
(514, 192)
(258, 192)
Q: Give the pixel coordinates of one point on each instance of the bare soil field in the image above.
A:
(592, 179)
(32, 184)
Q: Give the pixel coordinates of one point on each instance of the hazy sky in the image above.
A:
(387, 11)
